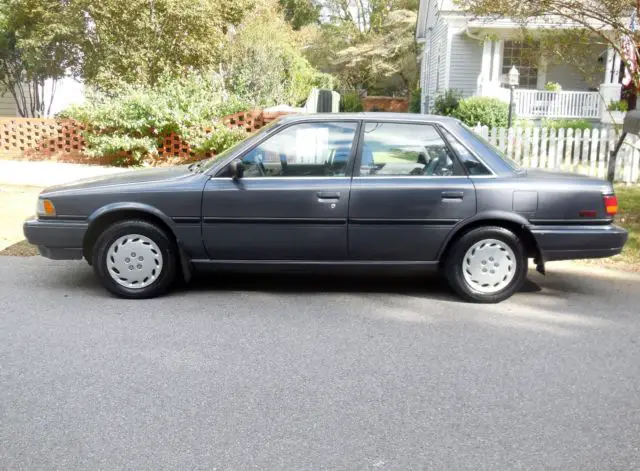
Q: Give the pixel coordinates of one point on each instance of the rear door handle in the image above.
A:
(452, 195)
(328, 195)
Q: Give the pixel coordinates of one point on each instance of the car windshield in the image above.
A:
(491, 148)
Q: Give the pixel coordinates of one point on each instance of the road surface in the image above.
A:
(274, 372)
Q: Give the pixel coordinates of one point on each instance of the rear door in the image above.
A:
(292, 202)
(407, 193)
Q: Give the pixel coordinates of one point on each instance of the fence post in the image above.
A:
(551, 158)
(502, 140)
(518, 145)
(535, 149)
(593, 153)
(635, 161)
(511, 135)
(526, 147)
(603, 154)
(560, 149)
(568, 150)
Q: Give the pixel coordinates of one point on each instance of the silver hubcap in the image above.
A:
(489, 266)
(134, 261)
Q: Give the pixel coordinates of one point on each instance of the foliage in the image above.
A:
(447, 103)
(618, 105)
(299, 13)
(553, 87)
(351, 102)
(486, 111)
(567, 124)
(604, 22)
(137, 117)
(264, 64)
(37, 43)
(415, 101)
(367, 44)
(139, 41)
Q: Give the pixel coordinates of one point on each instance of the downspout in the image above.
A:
(468, 32)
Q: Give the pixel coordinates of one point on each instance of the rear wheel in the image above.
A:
(487, 265)
(135, 259)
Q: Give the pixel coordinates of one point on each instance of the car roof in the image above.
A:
(371, 116)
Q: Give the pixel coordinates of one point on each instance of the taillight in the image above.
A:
(610, 204)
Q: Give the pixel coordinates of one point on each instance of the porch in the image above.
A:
(581, 96)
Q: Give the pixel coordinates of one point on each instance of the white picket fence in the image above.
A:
(586, 152)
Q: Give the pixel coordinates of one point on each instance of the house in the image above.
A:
(68, 91)
(473, 55)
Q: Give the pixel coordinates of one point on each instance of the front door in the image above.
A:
(407, 193)
(292, 202)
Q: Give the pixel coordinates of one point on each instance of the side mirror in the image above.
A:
(236, 167)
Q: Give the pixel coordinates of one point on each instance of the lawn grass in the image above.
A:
(17, 203)
(629, 218)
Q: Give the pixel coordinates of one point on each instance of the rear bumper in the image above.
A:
(575, 242)
(58, 240)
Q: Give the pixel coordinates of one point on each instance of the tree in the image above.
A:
(37, 48)
(264, 64)
(139, 41)
(368, 44)
(609, 21)
(299, 13)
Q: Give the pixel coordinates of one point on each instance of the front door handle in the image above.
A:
(452, 195)
(328, 195)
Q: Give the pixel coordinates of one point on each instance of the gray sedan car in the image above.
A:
(333, 191)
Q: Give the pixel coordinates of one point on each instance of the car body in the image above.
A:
(362, 190)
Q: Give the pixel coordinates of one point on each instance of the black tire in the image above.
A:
(453, 265)
(164, 242)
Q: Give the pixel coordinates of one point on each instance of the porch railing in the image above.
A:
(544, 104)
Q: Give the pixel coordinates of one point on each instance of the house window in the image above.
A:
(525, 56)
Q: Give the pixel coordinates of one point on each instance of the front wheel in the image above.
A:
(135, 259)
(487, 265)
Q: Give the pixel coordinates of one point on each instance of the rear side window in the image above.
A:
(397, 149)
(469, 161)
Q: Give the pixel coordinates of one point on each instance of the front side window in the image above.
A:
(394, 149)
(303, 150)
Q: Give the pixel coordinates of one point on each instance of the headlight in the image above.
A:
(46, 208)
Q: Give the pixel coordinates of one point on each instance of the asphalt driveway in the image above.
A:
(253, 372)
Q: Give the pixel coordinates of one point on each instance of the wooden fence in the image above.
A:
(582, 151)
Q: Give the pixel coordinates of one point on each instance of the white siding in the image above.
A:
(572, 78)
(436, 62)
(466, 63)
(7, 106)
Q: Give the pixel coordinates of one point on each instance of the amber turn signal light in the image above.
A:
(46, 208)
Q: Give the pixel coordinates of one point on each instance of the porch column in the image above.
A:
(496, 70)
(611, 89)
(617, 63)
(609, 65)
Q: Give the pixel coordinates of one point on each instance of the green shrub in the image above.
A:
(414, 101)
(136, 118)
(447, 103)
(350, 102)
(618, 105)
(567, 124)
(553, 87)
(486, 111)
(219, 138)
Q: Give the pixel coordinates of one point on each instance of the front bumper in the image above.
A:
(575, 242)
(58, 240)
